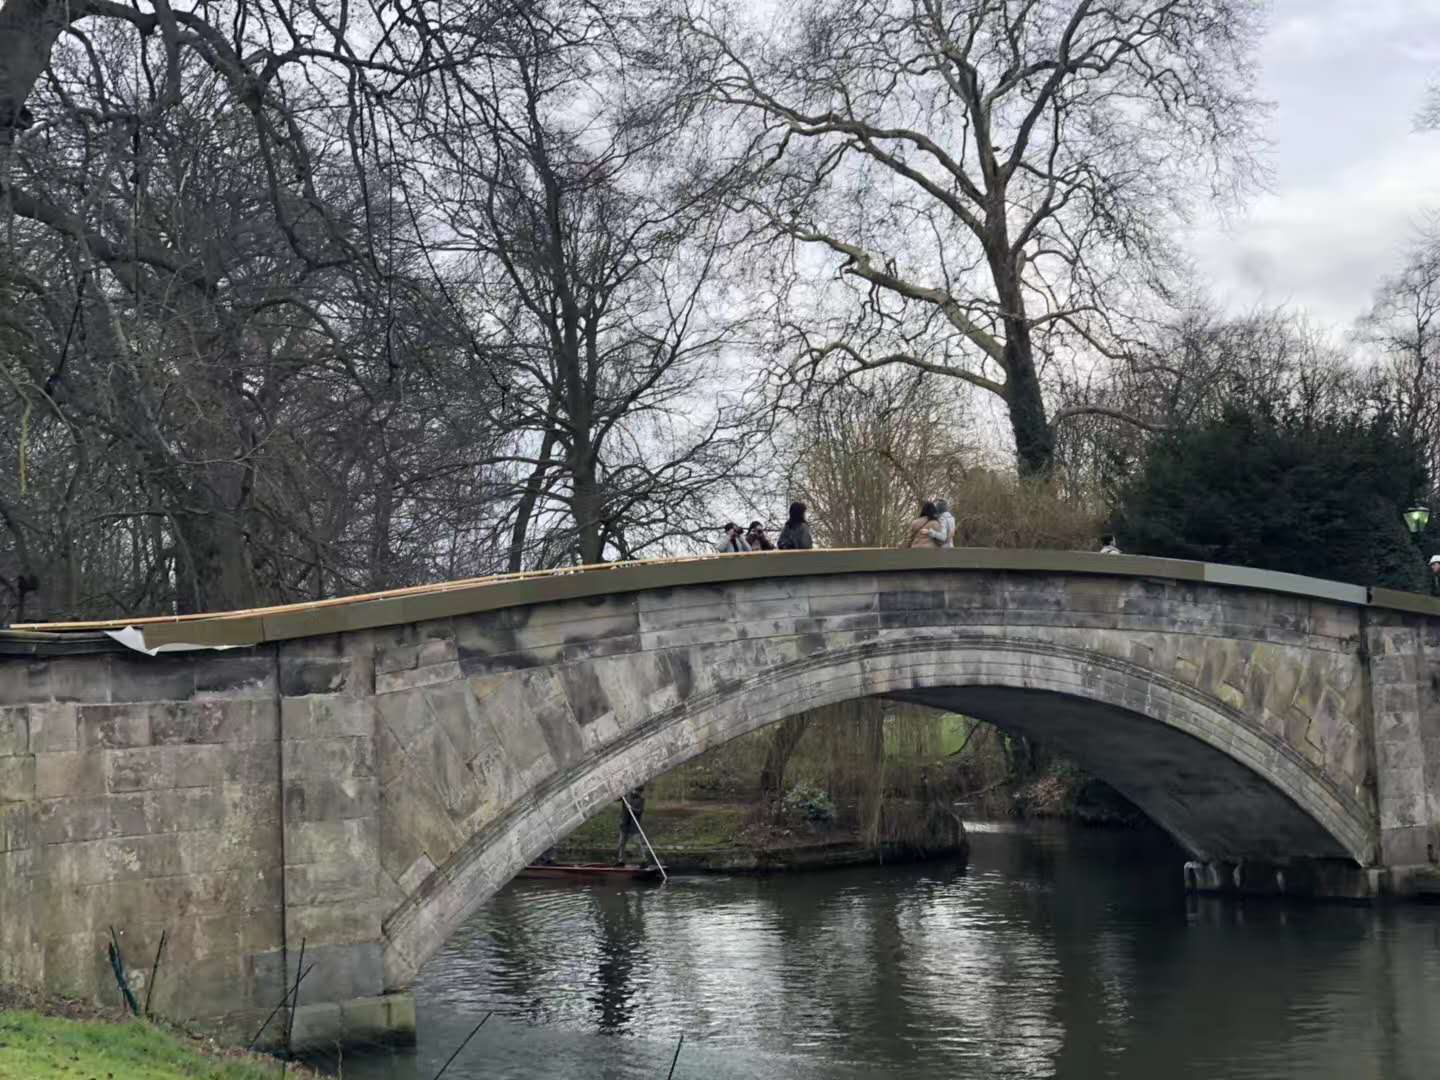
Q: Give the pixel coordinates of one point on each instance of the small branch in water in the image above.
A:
(462, 1046)
(670, 1075)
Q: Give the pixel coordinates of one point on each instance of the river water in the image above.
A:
(1057, 952)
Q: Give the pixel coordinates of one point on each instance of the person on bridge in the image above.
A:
(947, 523)
(630, 819)
(925, 530)
(796, 534)
(1435, 575)
(1108, 546)
(757, 539)
(734, 540)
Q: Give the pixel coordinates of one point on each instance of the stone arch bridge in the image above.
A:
(360, 775)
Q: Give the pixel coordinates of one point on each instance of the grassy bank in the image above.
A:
(45, 1046)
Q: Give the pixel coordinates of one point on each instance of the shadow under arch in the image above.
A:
(1219, 782)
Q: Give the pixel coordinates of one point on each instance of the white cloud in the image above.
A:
(1324, 244)
(1351, 176)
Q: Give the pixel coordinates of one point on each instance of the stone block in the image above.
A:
(324, 798)
(23, 682)
(312, 675)
(313, 1027)
(234, 847)
(405, 714)
(69, 773)
(200, 765)
(343, 756)
(329, 883)
(250, 721)
(16, 820)
(353, 840)
(324, 647)
(71, 965)
(252, 765)
(410, 679)
(53, 726)
(193, 722)
(235, 675)
(138, 769)
(64, 821)
(415, 822)
(340, 972)
(185, 809)
(17, 779)
(397, 658)
(336, 924)
(109, 727)
(146, 678)
(329, 715)
(14, 730)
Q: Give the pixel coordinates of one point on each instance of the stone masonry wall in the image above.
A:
(363, 792)
(142, 794)
(1405, 678)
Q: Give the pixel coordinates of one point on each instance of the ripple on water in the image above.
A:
(1059, 954)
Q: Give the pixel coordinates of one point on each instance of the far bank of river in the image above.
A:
(728, 837)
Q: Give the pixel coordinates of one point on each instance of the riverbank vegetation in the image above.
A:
(853, 789)
(49, 1045)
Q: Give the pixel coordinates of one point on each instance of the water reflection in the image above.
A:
(620, 933)
(1055, 954)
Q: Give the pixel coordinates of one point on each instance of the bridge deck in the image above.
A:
(444, 599)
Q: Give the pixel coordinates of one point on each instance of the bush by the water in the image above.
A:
(810, 803)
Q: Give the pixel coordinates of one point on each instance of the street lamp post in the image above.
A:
(1416, 518)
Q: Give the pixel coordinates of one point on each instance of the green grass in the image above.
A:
(36, 1047)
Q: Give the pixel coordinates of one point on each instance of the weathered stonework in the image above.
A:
(365, 791)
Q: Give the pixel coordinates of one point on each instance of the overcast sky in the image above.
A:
(1351, 177)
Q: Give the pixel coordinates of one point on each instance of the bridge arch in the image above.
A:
(1142, 707)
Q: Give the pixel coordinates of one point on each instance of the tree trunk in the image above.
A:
(28, 32)
(1034, 439)
(525, 510)
(585, 508)
(783, 740)
(224, 579)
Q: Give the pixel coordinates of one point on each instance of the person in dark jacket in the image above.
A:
(796, 534)
(630, 820)
(757, 539)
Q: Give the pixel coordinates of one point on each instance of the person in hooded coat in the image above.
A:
(795, 536)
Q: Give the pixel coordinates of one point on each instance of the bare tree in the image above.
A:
(1185, 374)
(1428, 118)
(1403, 325)
(996, 181)
(227, 345)
(598, 265)
(862, 460)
